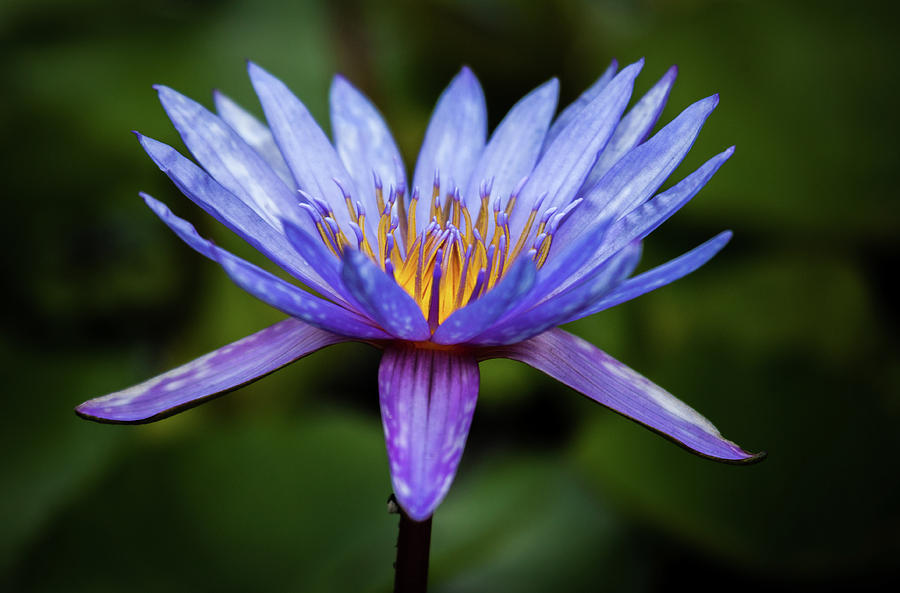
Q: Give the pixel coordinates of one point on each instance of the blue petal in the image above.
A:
(634, 127)
(639, 173)
(453, 142)
(644, 219)
(211, 375)
(382, 298)
(222, 205)
(660, 275)
(364, 143)
(230, 160)
(567, 161)
(469, 321)
(572, 110)
(307, 151)
(557, 271)
(564, 306)
(586, 369)
(254, 133)
(427, 399)
(514, 146)
(269, 288)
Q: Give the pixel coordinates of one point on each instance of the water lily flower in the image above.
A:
(494, 244)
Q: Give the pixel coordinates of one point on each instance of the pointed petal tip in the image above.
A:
(256, 71)
(339, 82)
(550, 87)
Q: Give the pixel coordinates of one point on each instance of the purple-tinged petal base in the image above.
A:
(589, 370)
(211, 375)
(427, 400)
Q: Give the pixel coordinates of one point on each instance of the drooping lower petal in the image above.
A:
(211, 375)
(427, 400)
(589, 370)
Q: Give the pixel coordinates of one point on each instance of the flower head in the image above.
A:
(493, 244)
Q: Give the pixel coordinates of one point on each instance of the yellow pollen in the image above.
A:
(470, 262)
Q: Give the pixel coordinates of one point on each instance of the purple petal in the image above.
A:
(427, 399)
(587, 369)
(453, 142)
(564, 306)
(571, 111)
(567, 161)
(471, 320)
(644, 219)
(222, 205)
(230, 160)
(364, 142)
(268, 288)
(211, 375)
(382, 298)
(659, 276)
(254, 133)
(306, 149)
(639, 173)
(514, 146)
(634, 127)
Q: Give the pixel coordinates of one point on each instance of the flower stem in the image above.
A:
(413, 545)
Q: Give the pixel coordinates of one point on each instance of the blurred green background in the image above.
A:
(787, 340)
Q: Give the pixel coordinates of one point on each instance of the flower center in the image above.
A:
(455, 258)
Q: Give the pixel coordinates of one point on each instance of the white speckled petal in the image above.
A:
(427, 400)
(453, 141)
(307, 151)
(255, 133)
(230, 160)
(211, 375)
(364, 143)
(589, 370)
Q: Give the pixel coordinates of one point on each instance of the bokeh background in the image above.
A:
(787, 340)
